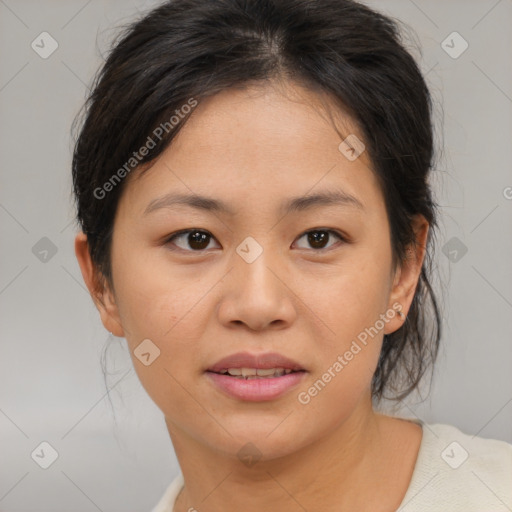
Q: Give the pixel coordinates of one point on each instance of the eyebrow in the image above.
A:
(295, 204)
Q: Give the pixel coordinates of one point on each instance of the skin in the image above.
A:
(253, 148)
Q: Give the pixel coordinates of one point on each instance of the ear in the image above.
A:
(407, 275)
(101, 294)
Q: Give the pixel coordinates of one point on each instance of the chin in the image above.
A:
(257, 442)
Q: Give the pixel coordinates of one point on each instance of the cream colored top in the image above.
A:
(454, 472)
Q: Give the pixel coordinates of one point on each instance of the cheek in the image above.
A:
(348, 304)
(334, 395)
(348, 355)
(174, 319)
(157, 298)
(349, 297)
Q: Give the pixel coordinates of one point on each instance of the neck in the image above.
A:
(332, 472)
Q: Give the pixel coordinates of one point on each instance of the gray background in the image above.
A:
(51, 381)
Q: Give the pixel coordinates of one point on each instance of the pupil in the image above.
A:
(318, 241)
(197, 239)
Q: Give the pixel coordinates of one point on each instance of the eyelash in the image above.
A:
(169, 240)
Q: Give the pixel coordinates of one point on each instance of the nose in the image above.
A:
(257, 295)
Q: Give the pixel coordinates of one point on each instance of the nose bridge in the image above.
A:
(255, 294)
(256, 262)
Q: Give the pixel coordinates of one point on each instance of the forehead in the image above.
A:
(266, 140)
(268, 114)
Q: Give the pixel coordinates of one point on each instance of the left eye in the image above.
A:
(318, 238)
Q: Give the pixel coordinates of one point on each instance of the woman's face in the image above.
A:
(253, 280)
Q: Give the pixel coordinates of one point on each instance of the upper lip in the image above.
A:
(259, 361)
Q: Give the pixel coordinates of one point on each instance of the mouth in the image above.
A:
(256, 377)
(264, 365)
(256, 373)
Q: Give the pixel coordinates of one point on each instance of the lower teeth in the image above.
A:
(250, 377)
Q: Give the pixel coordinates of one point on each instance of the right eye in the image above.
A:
(196, 239)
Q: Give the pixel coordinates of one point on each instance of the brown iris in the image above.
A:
(318, 239)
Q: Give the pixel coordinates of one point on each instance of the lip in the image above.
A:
(259, 361)
(256, 390)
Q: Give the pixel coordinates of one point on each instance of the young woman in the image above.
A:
(252, 184)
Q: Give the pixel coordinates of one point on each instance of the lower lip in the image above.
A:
(256, 390)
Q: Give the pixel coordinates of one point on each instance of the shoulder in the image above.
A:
(166, 503)
(480, 452)
(458, 471)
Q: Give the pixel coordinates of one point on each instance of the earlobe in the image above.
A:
(408, 274)
(101, 294)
